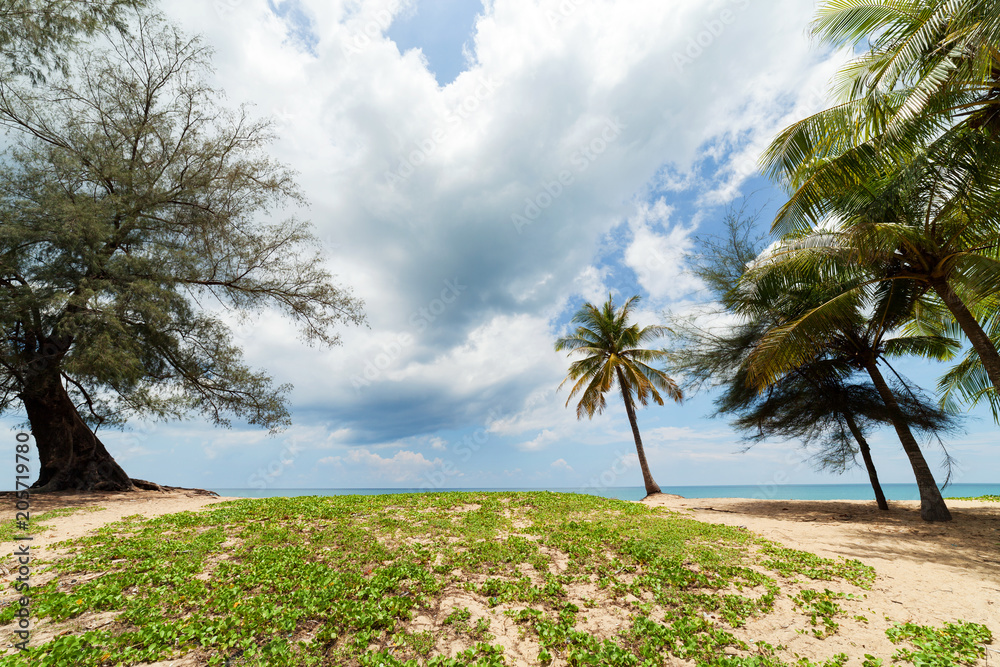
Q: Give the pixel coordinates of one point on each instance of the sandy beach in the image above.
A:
(104, 508)
(926, 573)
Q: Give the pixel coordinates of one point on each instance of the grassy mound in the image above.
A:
(442, 580)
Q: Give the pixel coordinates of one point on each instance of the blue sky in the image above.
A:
(476, 172)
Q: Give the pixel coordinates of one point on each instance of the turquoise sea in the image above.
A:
(770, 491)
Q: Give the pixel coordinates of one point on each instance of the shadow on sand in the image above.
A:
(858, 529)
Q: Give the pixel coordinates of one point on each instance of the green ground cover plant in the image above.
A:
(352, 580)
(821, 609)
(953, 644)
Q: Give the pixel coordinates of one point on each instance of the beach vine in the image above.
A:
(438, 580)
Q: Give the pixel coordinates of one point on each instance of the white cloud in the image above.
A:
(540, 441)
(218, 443)
(543, 88)
(403, 466)
(349, 116)
(684, 433)
(560, 464)
(658, 257)
(501, 349)
(590, 283)
(748, 133)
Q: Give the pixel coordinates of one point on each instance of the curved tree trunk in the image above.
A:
(981, 342)
(71, 455)
(647, 478)
(932, 506)
(866, 454)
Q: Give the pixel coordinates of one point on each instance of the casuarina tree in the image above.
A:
(135, 211)
(35, 35)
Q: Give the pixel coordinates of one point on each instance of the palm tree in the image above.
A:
(931, 222)
(931, 66)
(614, 352)
(907, 161)
(812, 404)
(858, 327)
(968, 379)
(816, 403)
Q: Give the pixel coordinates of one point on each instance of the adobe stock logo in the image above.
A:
(713, 29)
(463, 451)
(552, 189)
(363, 38)
(565, 9)
(419, 321)
(223, 8)
(422, 150)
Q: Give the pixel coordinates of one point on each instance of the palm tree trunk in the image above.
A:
(932, 507)
(981, 342)
(647, 478)
(866, 454)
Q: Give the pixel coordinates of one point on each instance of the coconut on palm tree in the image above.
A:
(615, 353)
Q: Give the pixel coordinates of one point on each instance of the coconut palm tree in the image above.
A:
(818, 403)
(614, 352)
(812, 404)
(931, 222)
(859, 327)
(931, 66)
(967, 381)
(907, 162)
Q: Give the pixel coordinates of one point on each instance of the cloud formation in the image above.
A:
(575, 154)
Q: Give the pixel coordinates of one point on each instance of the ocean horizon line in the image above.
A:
(634, 486)
(787, 491)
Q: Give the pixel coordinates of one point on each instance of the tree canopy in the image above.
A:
(930, 67)
(136, 208)
(35, 34)
(614, 352)
(816, 398)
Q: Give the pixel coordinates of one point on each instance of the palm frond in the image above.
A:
(612, 345)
